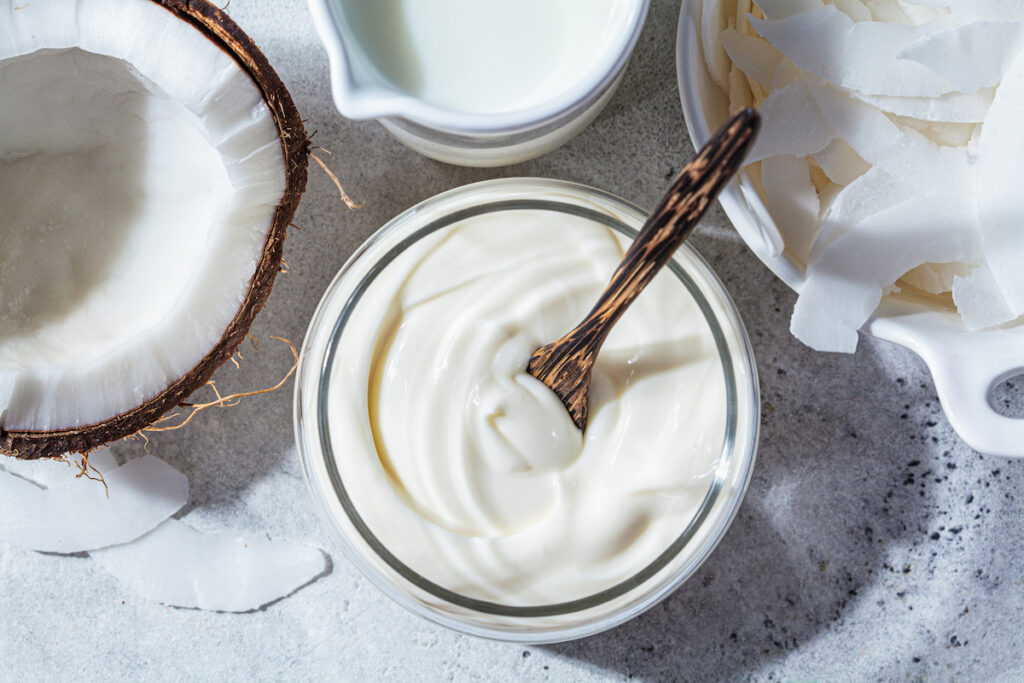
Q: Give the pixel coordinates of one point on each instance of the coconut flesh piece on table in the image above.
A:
(68, 517)
(150, 162)
(917, 103)
(180, 566)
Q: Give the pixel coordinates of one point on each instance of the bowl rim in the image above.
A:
(356, 100)
(723, 499)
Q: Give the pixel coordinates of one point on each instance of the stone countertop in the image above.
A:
(872, 542)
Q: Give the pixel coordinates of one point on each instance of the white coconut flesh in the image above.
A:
(140, 169)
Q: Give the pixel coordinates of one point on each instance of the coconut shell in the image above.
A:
(227, 35)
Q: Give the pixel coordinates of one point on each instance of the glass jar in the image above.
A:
(554, 622)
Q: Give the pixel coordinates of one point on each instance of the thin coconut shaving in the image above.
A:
(888, 152)
(132, 535)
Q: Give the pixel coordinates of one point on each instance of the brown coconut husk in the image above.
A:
(220, 29)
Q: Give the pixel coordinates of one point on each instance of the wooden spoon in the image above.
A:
(565, 365)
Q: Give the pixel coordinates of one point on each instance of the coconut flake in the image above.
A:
(952, 108)
(740, 95)
(888, 11)
(987, 10)
(979, 300)
(970, 57)
(753, 56)
(781, 9)
(899, 151)
(767, 234)
(791, 123)
(49, 473)
(871, 193)
(921, 12)
(76, 515)
(936, 278)
(846, 285)
(179, 566)
(712, 22)
(840, 163)
(855, 55)
(1000, 199)
(855, 9)
(792, 201)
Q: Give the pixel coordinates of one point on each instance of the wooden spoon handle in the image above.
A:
(694, 189)
(565, 364)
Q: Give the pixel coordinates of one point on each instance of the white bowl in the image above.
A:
(965, 366)
(471, 139)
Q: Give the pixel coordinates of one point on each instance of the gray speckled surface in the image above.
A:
(872, 543)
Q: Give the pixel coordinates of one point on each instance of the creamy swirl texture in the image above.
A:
(470, 471)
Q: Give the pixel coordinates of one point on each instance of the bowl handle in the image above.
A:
(964, 382)
(965, 366)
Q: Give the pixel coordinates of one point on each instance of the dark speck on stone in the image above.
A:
(935, 536)
(526, 653)
(913, 463)
(780, 371)
(970, 498)
(950, 465)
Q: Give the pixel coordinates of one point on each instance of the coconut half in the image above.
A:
(150, 162)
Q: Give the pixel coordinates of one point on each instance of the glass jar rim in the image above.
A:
(324, 366)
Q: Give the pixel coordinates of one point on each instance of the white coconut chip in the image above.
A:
(781, 9)
(987, 10)
(888, 11)
(791, 123)
(77, 515)
(767, 234)
(179, 566)
(952, 108)
(753, 56)
(792, 201)
(712, 23)
(50, 473)
(936, 278)
(899, 151)
(970, 57)
(846, 285)
(871, 193)
(855, 9)
(922, 12)
(979, 300)
(740, 95)
(1000, 197)
(840, 163)
(855, 55)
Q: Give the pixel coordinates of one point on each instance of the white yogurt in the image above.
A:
(486, 56)
(470, 471)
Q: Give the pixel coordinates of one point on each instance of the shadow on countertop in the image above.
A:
(825, 504)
